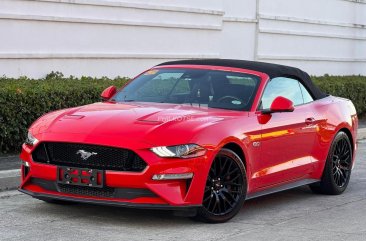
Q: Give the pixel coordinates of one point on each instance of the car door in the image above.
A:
(287, 138)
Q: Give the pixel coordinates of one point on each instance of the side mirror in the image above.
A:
(280, 104)
(108, 93)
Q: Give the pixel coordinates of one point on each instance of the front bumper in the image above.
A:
(131, 189)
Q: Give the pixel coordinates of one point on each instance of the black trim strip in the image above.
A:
(282, 188)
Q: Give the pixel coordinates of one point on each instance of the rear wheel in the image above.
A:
(337, 170)
(225, 189)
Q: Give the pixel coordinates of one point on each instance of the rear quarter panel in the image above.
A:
(332, 115)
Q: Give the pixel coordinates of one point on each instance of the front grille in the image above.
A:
(87, 191)
(101, 157)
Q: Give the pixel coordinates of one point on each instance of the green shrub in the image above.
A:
(350, 87)
(23, 100)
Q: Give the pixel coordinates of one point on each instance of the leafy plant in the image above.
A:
(23, 100)
(350, 87)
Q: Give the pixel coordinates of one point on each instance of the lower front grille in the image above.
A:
(106, 192)
(87, 191)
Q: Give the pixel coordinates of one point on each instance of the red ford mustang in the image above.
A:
(196, 136)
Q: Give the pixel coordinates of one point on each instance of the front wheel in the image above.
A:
(337, 170)
(225, 189)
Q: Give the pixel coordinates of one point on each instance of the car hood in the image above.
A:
(154, 123)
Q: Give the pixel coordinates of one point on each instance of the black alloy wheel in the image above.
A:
(225, 189)
(341, 162)
(337, 170)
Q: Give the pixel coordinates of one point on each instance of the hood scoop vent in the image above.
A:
(148, 122)
(74, 117)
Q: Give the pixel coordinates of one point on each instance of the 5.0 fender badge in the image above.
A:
(256, 143)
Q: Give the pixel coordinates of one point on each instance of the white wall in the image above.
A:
(124, 37)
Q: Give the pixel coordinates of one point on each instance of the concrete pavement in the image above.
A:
(361, 134)
(9, 172)
(9, 162)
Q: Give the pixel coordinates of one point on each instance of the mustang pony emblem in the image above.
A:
(85, 155)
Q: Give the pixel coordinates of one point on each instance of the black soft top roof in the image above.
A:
(272, 70)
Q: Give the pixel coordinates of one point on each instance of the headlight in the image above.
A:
(180, 151)
(31, 140)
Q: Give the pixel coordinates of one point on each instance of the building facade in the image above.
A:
(123, 37)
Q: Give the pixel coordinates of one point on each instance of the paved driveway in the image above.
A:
(292, 215)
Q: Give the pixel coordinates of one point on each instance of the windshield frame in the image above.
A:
(263, 78)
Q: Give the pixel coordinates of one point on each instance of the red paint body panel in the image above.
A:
(290, 149)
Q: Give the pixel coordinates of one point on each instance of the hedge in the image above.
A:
(350, 87)
(23, 100)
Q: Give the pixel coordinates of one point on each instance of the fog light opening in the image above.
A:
(173, 176)
(25, 163)
(26, 168)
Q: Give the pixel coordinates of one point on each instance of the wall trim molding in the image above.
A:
(311, 21)
(128, 4)
(239, 20)
(100, 55)
(108, 21)
(310, 34)
(310, 58)
(356, 1)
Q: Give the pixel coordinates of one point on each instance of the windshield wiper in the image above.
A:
(127, 100)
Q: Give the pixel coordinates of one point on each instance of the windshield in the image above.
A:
(211, 88)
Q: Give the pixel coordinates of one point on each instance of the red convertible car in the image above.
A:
(198, 137)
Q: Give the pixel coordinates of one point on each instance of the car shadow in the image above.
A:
(109, 215)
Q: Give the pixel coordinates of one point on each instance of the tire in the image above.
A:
(225, 189)
(337, 170)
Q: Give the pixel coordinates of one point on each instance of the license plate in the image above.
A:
(80, 176)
